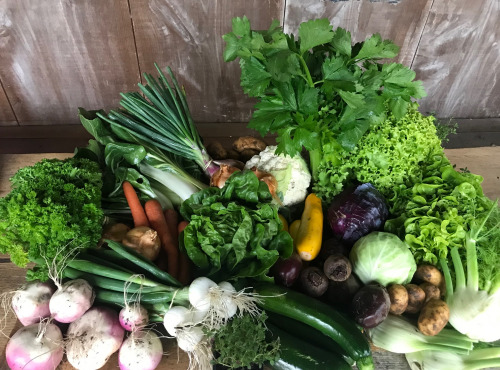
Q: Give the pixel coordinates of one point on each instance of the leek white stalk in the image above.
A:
(171, 179)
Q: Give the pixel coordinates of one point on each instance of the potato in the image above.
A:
(429, 274)
(399, 299)
(233, 154)
(431, 291)
(216, 150)
(416, 298)
(433, 317)
(249, 142)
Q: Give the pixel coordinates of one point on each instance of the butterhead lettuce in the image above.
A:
(234, 231)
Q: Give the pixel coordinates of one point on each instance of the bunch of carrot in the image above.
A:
(166, 223)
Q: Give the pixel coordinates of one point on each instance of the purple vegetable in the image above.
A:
(370, 305)
(287, 271)
(357, 211)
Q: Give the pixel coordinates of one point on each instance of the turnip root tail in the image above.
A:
(6, 307)
(56, 266)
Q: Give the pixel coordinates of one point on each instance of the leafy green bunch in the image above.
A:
(52, 211)
(320, 90)
(389, 156)
(234, 231)
(437, 213)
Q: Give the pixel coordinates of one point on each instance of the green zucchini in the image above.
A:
(321, 317)
(308, 334)
(296, 354)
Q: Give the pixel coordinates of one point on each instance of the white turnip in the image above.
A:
(31, 302)
(142, 350)
(133, 317)
(35, 347)
(93, 338)
(71, 300)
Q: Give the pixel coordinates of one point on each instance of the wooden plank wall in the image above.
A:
(57, 55)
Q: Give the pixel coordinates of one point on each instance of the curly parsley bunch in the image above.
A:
(53, 210)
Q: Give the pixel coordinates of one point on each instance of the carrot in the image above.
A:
(182, 225)
(138, 214)
(184, 261)
(171, 217)
(172, 220)
(158, 222)
(161, 260)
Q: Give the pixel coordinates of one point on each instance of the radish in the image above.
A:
(71, 300)
(133, 317)
(142, 350)
(31, 302)
(93, 338)
(35, 347)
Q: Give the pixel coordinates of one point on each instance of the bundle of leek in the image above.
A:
(151, 142)
(161, 117)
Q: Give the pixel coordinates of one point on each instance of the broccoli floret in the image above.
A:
(54, 209)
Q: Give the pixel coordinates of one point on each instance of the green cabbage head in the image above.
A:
(383, 258)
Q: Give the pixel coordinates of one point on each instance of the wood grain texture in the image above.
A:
(458, 59)
(400, 21)
(57, 55)
(187, 36)
(7, 117)
(65, 138)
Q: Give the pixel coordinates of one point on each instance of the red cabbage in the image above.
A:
(357, 211)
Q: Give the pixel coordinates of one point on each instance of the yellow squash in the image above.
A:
(283, 221)
(294, 229)
(310, 232)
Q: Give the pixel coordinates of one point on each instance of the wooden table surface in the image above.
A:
(483, 161)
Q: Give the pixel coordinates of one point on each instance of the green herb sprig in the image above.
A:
(243, 342)
(319, 90)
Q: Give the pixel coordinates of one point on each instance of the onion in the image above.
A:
(144, 241)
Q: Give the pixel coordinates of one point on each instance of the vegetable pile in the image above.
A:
(354, 230)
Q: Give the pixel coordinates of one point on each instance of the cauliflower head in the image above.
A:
(291, 173)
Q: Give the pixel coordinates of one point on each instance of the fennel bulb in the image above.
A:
(475, 312)
(438, 360)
